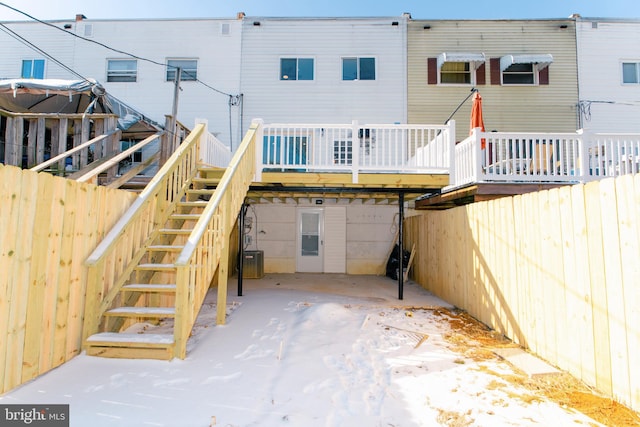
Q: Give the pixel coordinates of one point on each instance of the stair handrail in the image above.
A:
(115, 257)
(207, 248)
(62, 156)
(92, 174)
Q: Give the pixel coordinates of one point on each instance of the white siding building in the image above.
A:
(208, 49)
(609, 74)
(314, 71)
(345, 69)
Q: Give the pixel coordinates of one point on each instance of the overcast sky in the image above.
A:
(419, 9)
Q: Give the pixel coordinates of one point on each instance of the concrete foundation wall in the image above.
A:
(370, 233)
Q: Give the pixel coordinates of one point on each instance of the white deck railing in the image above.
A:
(544, 157)
(212, 151)
(354, 148)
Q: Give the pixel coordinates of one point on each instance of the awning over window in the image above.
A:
(476, 59)
(543, 60)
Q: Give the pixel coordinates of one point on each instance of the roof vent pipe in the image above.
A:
(80, 17)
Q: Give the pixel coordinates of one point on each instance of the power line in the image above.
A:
(194, 77)
(37, 49)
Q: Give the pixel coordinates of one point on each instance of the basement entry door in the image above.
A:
(321, 240)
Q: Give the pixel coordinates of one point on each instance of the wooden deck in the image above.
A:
(478, 193)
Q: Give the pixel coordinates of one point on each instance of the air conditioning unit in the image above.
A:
(253, 265)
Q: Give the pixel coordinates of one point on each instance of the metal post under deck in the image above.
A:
(400, 251)
(241, 215)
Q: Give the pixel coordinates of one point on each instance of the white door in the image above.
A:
(310, 244)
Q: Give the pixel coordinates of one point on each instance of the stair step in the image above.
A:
(185, 216)
(130, 346)
(174, 231)
(117, 339)
(144, 287)
(201, 191)
(146, 312)
(206, 181)
(156, 267)
(193, 204)
(165, 248)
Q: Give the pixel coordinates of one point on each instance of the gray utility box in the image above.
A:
(253, 265)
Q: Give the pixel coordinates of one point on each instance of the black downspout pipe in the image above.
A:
(241, 215)
(400, 251)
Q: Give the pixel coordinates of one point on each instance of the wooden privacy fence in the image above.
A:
(557, 271)
(49, 225)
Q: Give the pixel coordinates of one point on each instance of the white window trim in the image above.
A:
(296, 57)
(536, 78)
(135, 74)
(630, 61)
(357, 58)
(32, 59)
(475, 60)
(197, 61)
(538, 62)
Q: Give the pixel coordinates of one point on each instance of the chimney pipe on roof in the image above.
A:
(240, 15)
(80, 17)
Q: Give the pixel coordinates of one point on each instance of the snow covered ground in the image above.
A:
(302, 358)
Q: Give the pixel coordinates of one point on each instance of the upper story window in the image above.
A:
(519, 74)
(122, 70)
(358, 68)
(631, 72)
(33, 69)
(296, 69)
(456, 73)
(525, 69)
(189, 69)
(459, 67)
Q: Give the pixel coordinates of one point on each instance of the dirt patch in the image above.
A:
(454, 419)
(475, 340)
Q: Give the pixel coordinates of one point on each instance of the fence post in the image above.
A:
(451, 145)
(477, 154)
(259, 145)
(355, 152)
(204, 150)
(584, 141)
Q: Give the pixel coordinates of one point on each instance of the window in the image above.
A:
(342, 152)
(519, 74)
(189, 69)
(455, 73)
(358, 68)
(122, 70)
(296, 69)
(461, 68)
(33, 69)
(527, 69)
(631, 72)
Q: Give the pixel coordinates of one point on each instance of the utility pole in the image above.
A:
(174, 111)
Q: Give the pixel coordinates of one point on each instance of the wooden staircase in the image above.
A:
(146, 302)
(156, 265)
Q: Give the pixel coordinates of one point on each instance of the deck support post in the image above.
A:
(241, 217)
(400, 251)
